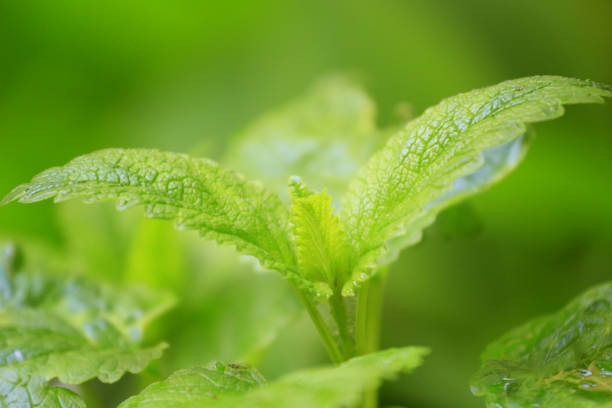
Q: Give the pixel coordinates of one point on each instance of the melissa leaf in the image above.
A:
(70, 329)
(562, 360)
(324, 136)
(321, 243)
(232, 313)
(104, 254)
(452, 150)
(250, 309)
(199, 386)
(220, 385)
(17, 391)
(196, 193)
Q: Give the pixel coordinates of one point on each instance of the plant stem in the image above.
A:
(338, 311)
(364, 337)
(369, 308)
(326, 336)
(367, 323)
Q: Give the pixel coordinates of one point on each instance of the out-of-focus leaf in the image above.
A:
(460, 220)
(454, 149)
(71, 329)
(562, 360)
(221, 385)
(18, 391)
(200, 386)
(323, 136)
(226, 311)
(157, 258)
(239, 311)
(97, 240)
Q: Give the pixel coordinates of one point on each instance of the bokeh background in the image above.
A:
(186, 76)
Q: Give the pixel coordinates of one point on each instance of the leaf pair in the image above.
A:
(322, 250)
(454, 149)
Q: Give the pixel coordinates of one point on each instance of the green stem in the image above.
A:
(367, 323)
(338, 311)
(326, 336)
(369, 308)
(361, 339)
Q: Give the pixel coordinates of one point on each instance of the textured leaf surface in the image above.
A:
(324, 137)
(321, 244)
(562, 360)
(452, 150)
(71, 329)
(197, 193)
(198, 386)
(22, 392)
(336, 387)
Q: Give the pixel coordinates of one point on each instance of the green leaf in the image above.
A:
(241, 312)
(71, 329)
(321, 244)
(197, 193)
(562, 360)
(226, 311)
(103, 254)
(20, 392)
(451, 151)
(236, 386)
(197, 386)
(324, 136)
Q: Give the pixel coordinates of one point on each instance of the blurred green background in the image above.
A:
(80, 76)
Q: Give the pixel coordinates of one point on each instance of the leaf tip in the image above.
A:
(15, 195)
(605, 88)
(298, 189)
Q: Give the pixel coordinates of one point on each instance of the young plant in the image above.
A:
(335, 259)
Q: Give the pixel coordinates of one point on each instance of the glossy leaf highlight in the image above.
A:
(561, 360)
(70, 329)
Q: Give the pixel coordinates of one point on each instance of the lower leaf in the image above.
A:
(17, 391)
(220, 385)
(562, 360)
(70, 329)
